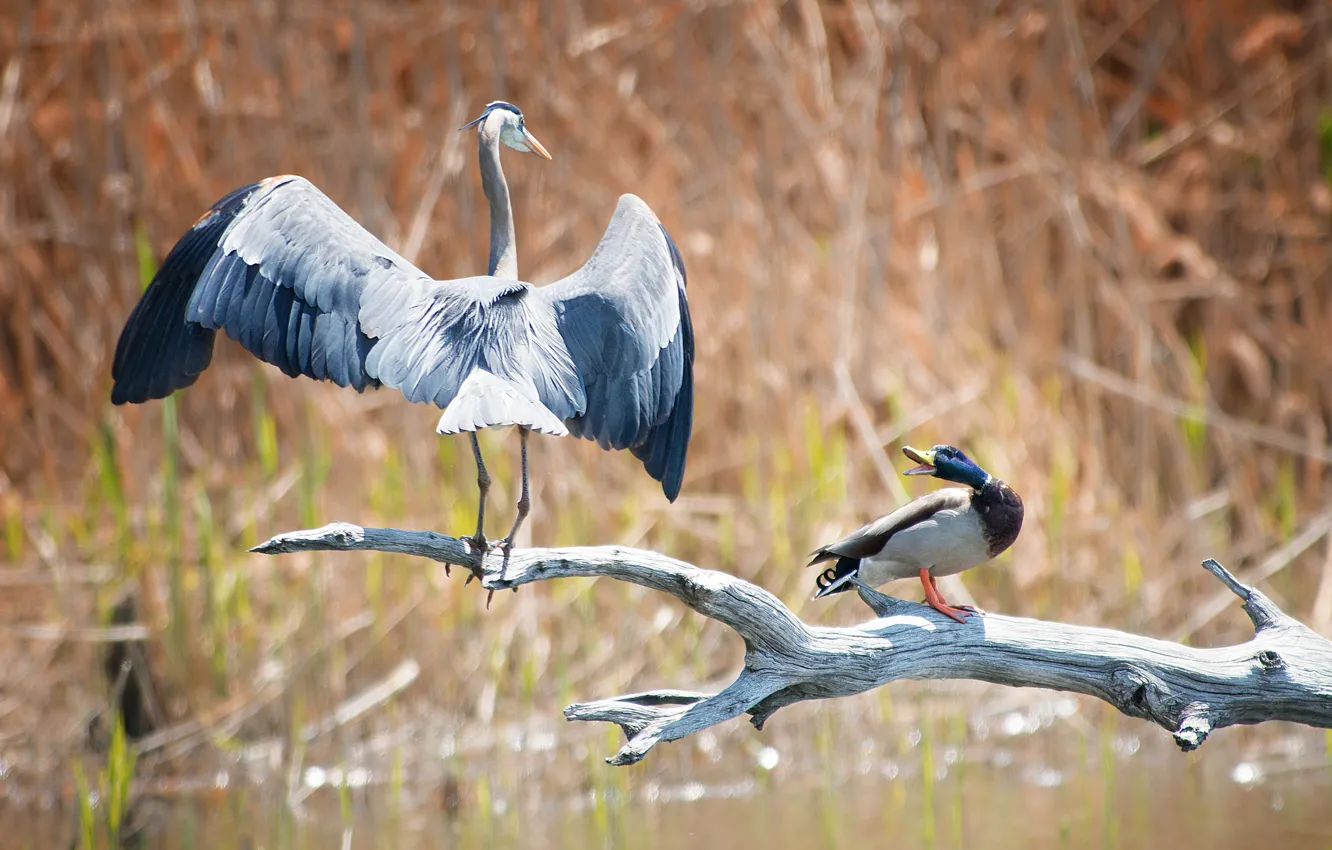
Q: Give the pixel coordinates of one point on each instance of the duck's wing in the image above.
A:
(870, 539)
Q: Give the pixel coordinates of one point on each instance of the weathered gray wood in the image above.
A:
(1283, 673)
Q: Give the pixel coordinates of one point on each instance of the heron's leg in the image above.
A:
(524, 502)
(478, 540)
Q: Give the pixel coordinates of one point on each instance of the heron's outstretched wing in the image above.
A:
(281, 269)
(625, 323)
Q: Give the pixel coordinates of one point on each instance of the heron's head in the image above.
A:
(948, 463)
(505, 121)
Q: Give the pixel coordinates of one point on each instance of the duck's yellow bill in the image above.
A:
(924, 458)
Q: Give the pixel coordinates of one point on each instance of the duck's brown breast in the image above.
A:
(1000, 510)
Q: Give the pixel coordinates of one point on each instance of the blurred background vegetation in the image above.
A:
(1087, 241)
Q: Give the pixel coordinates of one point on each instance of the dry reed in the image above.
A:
(1087, 241)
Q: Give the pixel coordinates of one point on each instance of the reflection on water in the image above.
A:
(1043, 775)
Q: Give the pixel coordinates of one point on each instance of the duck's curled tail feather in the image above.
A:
(837, 578)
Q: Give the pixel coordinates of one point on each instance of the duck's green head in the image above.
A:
(948, 463)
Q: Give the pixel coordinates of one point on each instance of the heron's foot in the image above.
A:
(970, 609)
(480, 548)
(479, 573)
(504, 546)
(478, 543)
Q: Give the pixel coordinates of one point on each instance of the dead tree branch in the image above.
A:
(1283, 673)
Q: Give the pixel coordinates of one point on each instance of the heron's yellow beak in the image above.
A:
(924, 458)
(537, 148)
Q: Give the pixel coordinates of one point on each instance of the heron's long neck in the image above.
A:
(503, 248)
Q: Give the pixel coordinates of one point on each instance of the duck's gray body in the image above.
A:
(945, 532)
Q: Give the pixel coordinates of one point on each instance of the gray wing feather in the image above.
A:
(300, 284)
(624, 321)
(870, 539)
(281, 269)
(288, 279)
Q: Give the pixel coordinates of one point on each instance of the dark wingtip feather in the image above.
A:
(159, 351)
(665, 451)
(681, 422)
(677, 443)
(666, 448)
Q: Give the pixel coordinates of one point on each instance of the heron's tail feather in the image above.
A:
(485, 400)
(837, 579)
(159, 351)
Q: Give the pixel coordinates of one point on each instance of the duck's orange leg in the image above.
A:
(936, 601)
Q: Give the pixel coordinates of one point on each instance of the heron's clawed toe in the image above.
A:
(478, 543)
(505, 547)
(479, 547)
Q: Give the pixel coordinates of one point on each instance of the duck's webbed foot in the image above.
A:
(957, 613)
(935, 600)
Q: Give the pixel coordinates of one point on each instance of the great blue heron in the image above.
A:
(606, 353)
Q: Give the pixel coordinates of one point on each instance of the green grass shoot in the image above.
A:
(87, 818)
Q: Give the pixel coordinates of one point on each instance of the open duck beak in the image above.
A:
(924, 458)
(537, 148)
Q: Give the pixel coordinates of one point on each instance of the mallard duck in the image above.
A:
(939, 534)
